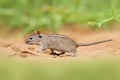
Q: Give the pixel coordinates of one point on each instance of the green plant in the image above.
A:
(52, 14)
(102, 69)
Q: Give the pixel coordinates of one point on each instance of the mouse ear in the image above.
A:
(37, 32)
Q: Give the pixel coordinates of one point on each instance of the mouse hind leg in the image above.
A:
(72, 54)
(54, 53)
(61, 53)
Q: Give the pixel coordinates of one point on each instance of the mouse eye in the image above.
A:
(40, 36)
(31, 38)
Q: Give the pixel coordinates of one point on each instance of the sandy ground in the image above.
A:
(15, 47)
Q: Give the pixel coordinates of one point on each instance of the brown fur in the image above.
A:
(56, 42)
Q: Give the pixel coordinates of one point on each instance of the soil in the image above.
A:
(14, 47)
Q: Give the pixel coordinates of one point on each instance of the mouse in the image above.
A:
(57, 42)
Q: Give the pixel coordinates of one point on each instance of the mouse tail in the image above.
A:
(94, 43)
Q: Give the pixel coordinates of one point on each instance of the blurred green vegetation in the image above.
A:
(59, 70)
(52, 14)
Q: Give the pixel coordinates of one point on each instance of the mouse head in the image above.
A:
(34, 39)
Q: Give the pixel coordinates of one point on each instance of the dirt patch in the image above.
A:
(15, 47)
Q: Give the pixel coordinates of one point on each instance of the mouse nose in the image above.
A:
(26, 42)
